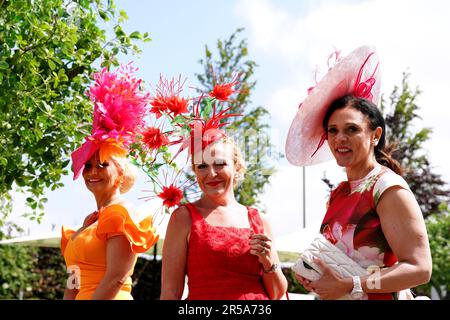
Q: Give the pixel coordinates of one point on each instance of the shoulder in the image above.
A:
(182, 211)
(123, 220)
(387, 180)
(387, 176)
(181, 217)
(178, 228)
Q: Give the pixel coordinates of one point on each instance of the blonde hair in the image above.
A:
(127, 170)
(239, 163)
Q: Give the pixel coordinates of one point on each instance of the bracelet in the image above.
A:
(272, 268)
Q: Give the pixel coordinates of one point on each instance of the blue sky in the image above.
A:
(288, 39)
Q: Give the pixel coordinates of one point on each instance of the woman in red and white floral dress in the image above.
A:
(373, 217)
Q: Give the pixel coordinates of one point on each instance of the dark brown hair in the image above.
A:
(373, 114)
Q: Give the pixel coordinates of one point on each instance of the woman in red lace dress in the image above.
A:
(224, 248)
(373, 217)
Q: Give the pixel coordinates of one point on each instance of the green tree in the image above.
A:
(48, 50)
(16, 276)
(428, 187)
(249, 130)
(438, 227)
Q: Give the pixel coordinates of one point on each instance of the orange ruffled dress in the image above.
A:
(87, 252)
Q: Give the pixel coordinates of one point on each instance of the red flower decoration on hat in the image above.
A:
(167, 98)
(169, 189)
(177, 105)
(223, 91)
(159, 106)
(205, 132)
(154, 138)
(199, 128)
(171, 196)
(364, 89)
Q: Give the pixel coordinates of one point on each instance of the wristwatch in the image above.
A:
(272, 269)
(357, 291)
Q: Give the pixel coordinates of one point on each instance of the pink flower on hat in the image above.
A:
(119, 110)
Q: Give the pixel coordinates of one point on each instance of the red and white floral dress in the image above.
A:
(353, 225)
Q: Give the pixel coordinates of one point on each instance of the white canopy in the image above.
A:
(296, 241)
(47, 239)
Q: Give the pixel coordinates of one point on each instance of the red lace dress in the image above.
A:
(353, 225)
(219, 263)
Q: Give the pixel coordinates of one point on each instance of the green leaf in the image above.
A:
(51, 64)
(136, 35)
(179, 119)
(206, 112)
(103, 15)
(4, 65)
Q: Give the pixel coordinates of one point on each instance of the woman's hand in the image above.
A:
(304, 282)
(261, 246)
(331, 285)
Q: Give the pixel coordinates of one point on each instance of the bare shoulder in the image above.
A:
(396, 195)
(180, 217)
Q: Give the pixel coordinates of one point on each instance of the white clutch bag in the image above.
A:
(341, 263)
(330, 254)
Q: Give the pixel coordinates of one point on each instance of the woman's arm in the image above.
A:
(70, 294)
(404, 228)
(263, 247)
(175, 255)
(119, 261)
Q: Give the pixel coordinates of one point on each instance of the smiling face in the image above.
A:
(101, 177)
(216, 172)
(350, 138)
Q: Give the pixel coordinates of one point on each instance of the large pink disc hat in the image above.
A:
(357, 74)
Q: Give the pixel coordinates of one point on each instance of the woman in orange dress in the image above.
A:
(101, 255)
